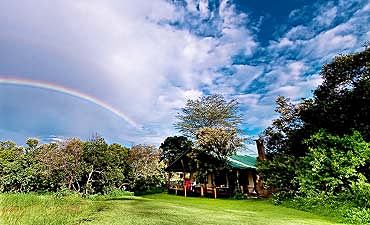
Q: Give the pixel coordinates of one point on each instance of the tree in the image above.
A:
(18, 169)
(284, 146)
(172, 147)
(214, 124)
(282, 135)
(217, 142)
(32, 144)
(105, 165)
(213, 147)
(342, 102)
(208, 111)
(63, 163)
(146, 171)
(117, 173)
(11, 167)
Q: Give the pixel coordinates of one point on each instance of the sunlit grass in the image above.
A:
(46, 209)
(150, 209)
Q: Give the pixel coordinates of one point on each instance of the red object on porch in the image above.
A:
(187, 183)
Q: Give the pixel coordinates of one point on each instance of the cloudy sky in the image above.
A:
(124, 68)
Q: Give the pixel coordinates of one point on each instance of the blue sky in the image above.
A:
(145, 58)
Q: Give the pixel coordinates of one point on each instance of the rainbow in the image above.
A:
(68, 91)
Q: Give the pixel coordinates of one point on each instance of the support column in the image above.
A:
(169, 181)
(237, 179)
(227, 179)
(255, 183)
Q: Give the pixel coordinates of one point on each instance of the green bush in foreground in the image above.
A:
(330, 178)
(333, 164)
(331, 206)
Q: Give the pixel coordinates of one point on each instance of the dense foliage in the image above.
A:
(212, 147)
(332, 164)
(318, 149)
(209, 111)
(146, 170)
(86, 167)
(173, 147)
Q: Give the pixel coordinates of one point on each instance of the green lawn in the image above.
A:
(150, 209)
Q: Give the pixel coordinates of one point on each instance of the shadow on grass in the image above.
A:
(126, 198)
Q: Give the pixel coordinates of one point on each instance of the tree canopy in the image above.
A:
(342, 101)
(87, 167)
(209, 111)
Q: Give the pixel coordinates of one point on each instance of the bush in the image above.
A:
(360, 194)
(330, 179)
(279, 173)
(356, 215)
(279, 197)
(333, 163)
(331, 206)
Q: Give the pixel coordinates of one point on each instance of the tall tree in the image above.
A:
(214, 124)
(209, 111)
(283, 144)
(342, 101)
(217, 142)
(32, 144)
(286, 132)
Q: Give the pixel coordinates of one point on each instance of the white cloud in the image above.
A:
(326, 15)
(284, 42)
(144, 66)
(299, 32)
(250, 100)
(203, 8)
(331, 42)
(130, 54)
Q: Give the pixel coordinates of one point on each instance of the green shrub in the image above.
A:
(114, 194)
(340, 207)
(360, 193)
(63, 192)
(279, 197)
(333, 163)
(356, 215)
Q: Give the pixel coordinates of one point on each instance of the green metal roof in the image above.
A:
(242, 162)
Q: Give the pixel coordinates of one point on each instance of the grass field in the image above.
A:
(150, 209)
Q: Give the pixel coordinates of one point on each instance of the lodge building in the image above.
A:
(239, 175)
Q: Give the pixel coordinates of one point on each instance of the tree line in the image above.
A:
(87, 167)
(318, 149)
